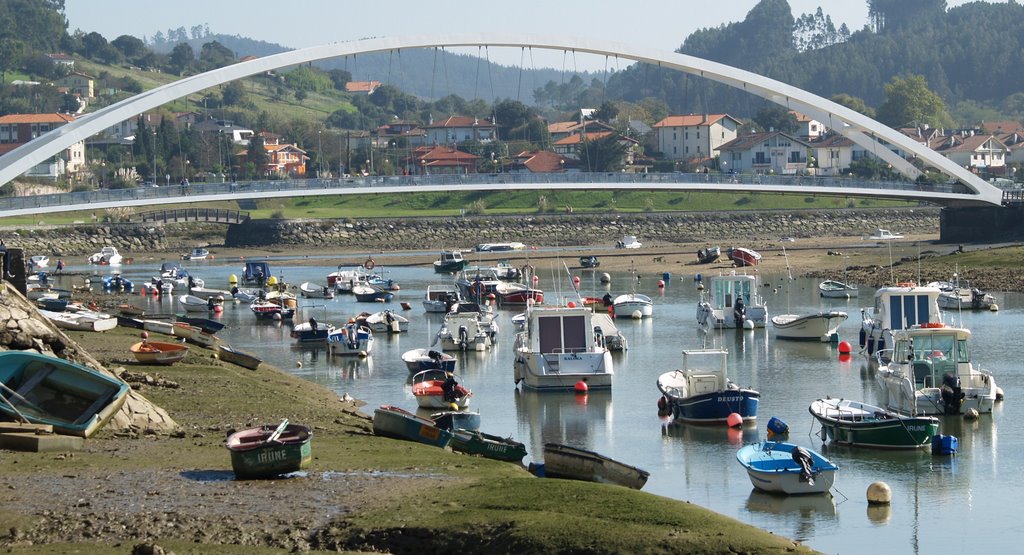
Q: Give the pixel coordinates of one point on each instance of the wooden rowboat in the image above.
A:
(158, 352)
(270, 450)
(74, 399)
(391, 421)
(563, 461)
(227, 353)
(474, 442)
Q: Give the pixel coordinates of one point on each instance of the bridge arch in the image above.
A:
(862, 130)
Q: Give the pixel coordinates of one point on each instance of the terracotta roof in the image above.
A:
(37, 118)
(690, 120)
(461, 121)
(1009, 126)
(542, 161)
(833, 140)
(746, 142)
(362, 86)
(590, 136)
(562, 126)
(800, 118)
(442, 154)
(956, 143)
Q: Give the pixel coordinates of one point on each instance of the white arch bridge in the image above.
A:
(964, 189)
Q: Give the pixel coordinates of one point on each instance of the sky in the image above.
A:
(661, 24)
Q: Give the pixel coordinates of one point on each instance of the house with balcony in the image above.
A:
(978, 153)
(770, 152)
(563, 129)
(458, 129)
(694, 136)
(808, 127)
(283, 159)
(832, 154)
(18, 129)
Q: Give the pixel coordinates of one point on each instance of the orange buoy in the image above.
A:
(734, 420)
(581, 386)
(576, 280)
(571, 304)
(661, 284)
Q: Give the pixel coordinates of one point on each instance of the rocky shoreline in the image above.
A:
(464, 232)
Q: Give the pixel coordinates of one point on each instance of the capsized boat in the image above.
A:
(74, 399)
(270, 450)
(394, 422)
(863, 425)
(819, 326)
(779, 467)
(158, 352)
(701, 391)
(564, 461)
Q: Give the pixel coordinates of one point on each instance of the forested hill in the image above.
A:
(971, 55)
(428, 74)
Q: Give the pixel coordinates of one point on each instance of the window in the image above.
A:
(686, 136)
(674, 136)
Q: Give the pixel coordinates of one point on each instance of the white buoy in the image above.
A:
(606, 278)
(637, 314)
(971, 414)
(993, 307)
(298, 364)
(879, 493)
(999, 393)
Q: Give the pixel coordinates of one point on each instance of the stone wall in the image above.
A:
(432, 233)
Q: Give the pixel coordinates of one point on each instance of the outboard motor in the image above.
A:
(739, 313)
(803, 458)
(976, 297)
(463, 337)
(952, 394)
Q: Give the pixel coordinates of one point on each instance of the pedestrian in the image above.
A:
(60, 265)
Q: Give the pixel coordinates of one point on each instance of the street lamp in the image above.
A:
(154, 157)
(319, 153)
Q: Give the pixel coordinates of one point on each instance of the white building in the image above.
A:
(772, 152)
(694, 136)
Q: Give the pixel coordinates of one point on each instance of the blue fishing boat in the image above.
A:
(778, 467)
(117, 282)
(391, 421)
(701, 392)
(74, 399)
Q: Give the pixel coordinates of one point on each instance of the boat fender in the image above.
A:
(463, 336)
(663, 407)
(863, 338)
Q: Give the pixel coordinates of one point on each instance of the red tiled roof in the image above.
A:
(747, 142)
(1009, 126)
(690, 120)
(543, 161)
(461, 121)
(36, 118)
(362, 86)
(590, 136)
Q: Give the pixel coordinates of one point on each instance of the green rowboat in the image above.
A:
(270, 450)
(486, 445)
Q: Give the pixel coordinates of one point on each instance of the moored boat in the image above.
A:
(366, 293)
(227, 353)
(452, 420)
(559, 349)
(107, 255)
(417, 360)
(85, 320)
(449, 262)
(350, 340)
(475, 442)
(863, 425)
(732, 301)
(74, 399)
(394, 422)
(158, 352)
(820, 326)
(270, 450)
(589, 262)
(438, 389)
(564, 461)
(895, 308)
(701, 391)
(198, 253)
(312, 290)
(832, 289)
(741, 256)
(629, 304)
(780, 467)
(385, 321)
(440, 297)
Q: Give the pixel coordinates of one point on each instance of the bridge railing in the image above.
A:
(85, 198)
(216, 215)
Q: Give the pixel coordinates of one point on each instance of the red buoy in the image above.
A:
(571, 304)
(535, 279)
(845, 348)
(734, 420)
(661, 284)
(581, 386)
(576, 280)
(144, 335)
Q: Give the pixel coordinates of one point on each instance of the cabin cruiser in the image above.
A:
(732, 301)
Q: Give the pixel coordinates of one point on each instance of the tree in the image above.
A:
(232, 93)
(771, 116)
(853, 103)
(512, 117)
(92, 44)
(607, 112)
(182, 57)
(257, 154)
(11, 51)
(601, 155)
(340, 78)
(214, 55)
(908, 101)
(129, 46)
(40, 24)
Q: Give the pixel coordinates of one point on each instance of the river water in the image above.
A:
(940, 504)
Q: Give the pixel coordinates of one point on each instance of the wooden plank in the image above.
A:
(40, 443)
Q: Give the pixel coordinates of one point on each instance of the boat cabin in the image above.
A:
(561, 330)
(931, 351)
(254, 271)
(725, 290)
(904, 306)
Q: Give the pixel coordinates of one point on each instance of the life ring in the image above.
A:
(933, 325)
(906, 284)
(369, 264)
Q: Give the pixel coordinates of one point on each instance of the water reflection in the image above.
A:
(569, 418)
(802, 513)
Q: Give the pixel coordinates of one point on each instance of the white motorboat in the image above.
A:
(628, 242)
(732, 301)
(629, 304)
(883, 235)
(500, 247)
(344, 281)
(311, 290)
(83, 320)
(192, 303)
(439, 389)
(197, 253)
(206, 293)
(896, 308)
(822, 326)
(40, 261)
(957, 294)
(464, 331)
(929, 371)
(385, 321)
(440, 297)
(832, 289)
(107, 255)
(350, 340)
(417, 360)
(559, 349)
(787, 468)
